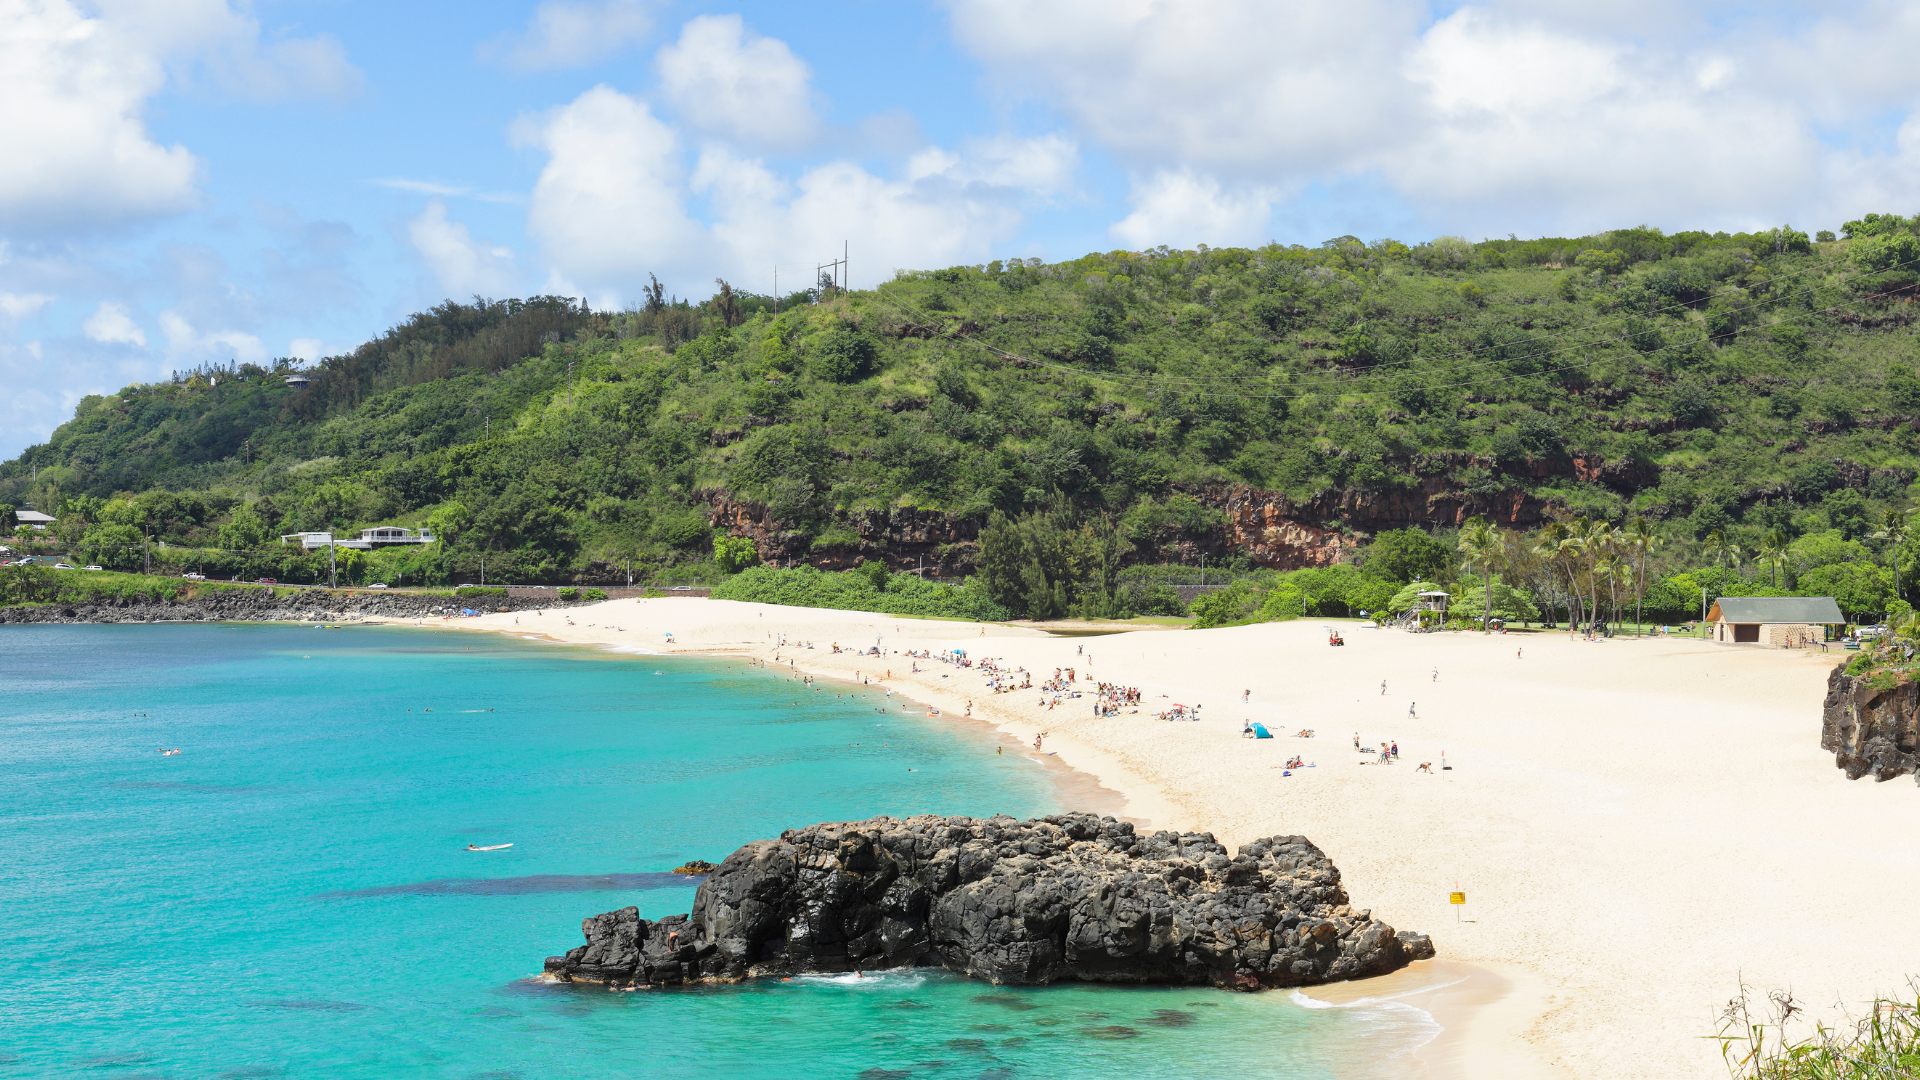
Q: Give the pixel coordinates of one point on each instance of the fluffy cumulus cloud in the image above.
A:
(1497, 116)
(1185, 204)
(78, 152)
(746, 88)
(74, 87)
(616, 201)
(111, 325)
(612, 196)
(462, 265)
(573, 33)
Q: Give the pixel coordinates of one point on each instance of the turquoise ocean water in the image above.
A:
(289, 897)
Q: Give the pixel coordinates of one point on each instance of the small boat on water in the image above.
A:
(490, 847)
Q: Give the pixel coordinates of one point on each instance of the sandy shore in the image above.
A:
(1638, 826)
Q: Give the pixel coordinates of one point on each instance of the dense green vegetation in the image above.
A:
(871, 588)
(1748, 397)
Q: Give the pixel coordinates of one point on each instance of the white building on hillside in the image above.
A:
(379, 536)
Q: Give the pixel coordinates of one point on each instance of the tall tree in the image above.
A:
(1641, 538)
(1481, 543)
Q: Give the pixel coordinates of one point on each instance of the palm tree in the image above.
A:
(1773, 554)
(1480, 541)
(1548, 548)
(1572, 546)
(1641, 539)
(1894, 529)
(1615, 565)
(1598, 544)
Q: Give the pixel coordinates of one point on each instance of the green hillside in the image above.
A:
(1756, 388)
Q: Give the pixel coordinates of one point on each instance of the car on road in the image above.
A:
(378, 585)
(61, 566)
(195, 577)
(681, 588)
(93, 568)
(265, 581)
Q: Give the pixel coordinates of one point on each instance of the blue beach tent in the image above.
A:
(1260, 732)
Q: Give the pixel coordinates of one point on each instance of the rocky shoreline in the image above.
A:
(1062, 898)
(261, 605)
(1871, 730)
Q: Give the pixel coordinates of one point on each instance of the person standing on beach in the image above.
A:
(1436, 674)
(1383, 688)
(1356, 742)
(1410, 713)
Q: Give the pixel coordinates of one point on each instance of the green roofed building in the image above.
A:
(1786, 621)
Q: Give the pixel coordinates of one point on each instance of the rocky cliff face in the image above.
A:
(1871, 731)
(906, 537)
(1070, 897)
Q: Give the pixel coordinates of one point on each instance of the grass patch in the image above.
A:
(1884, 1045)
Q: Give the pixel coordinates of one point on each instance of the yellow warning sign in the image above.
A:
(1457, 898)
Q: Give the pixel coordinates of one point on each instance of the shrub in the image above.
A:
(568, 593)
(473, 592)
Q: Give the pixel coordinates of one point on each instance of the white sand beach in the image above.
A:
(1638, 826)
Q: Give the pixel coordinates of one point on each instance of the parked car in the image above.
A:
(378, 585)
(196, 577)
(265, 581)
(536, 586)
(681, 588)
(61, 566)
(93, 568)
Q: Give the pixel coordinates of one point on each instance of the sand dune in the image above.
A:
(1638, 825)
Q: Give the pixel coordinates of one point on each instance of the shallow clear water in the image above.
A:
(288, 896)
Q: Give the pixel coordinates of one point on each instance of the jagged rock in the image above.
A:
(261, 605)
(1069, 897)
(1871, 730)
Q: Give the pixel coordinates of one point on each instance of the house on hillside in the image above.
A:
(33, 519)
(380, 536)
(1786, 621)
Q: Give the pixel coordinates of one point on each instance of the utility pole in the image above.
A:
(333, 581)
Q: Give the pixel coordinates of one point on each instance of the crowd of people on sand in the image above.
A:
(1110, 698)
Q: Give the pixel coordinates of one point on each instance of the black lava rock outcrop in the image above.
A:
(261, 605)
(1871, 730)
(1070, 897)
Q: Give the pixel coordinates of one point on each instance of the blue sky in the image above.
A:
(196, 181)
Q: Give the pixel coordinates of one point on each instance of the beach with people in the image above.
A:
(1638, 828)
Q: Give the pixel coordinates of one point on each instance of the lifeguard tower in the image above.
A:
(1430, 610)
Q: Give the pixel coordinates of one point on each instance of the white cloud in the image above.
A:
(612, 204)
(463, 265)
(421, 187)
(1501, 115)
(570, 33)
(186, 344)
(71, 96)
(745, 87)
(305, 348)
(1043, 165)
(74, 87)
(21, 305)
(611, 199)
(110, 325)
(1183, 210)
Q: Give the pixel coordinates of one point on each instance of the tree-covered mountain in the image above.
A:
(1261, 407)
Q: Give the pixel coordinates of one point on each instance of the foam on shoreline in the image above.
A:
(1603, 799)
